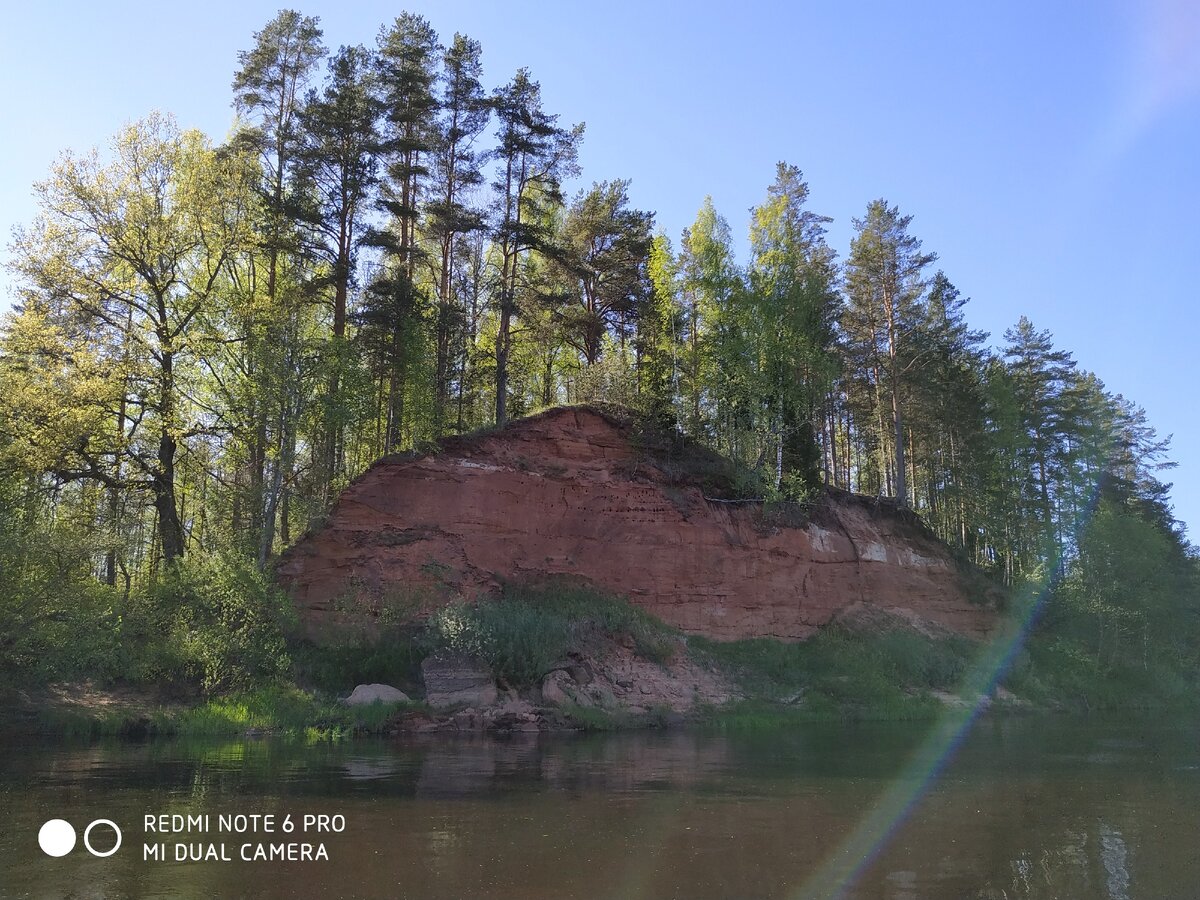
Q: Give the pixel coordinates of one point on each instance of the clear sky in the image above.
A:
(1048, 152)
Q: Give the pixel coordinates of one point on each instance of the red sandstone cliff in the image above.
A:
(567, 493)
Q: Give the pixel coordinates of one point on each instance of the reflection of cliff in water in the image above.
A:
(636, 762)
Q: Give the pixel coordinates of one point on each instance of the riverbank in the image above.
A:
(583, 663)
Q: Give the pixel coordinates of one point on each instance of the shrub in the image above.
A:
(524, 640)
(882, 675)
(224, 622)
(337, 667)
(521, 642)
(584, 608)
(56, 620)
(526, 631)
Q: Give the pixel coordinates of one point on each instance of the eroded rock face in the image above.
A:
(567, 494)
(612, 676)
(454, 679)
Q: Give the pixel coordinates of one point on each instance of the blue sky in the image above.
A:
(1048, 152)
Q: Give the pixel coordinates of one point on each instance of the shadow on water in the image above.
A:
(1028, 807)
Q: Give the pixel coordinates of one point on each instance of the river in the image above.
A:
(1023, 807)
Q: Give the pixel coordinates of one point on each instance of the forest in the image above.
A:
(210, 340)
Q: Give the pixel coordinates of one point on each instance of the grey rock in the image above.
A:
(559, 689)
(375, 693)
(454, 679)
(520, 708)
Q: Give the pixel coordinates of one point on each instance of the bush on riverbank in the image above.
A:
(1062, 673)
(209, 623)
(521, 635)
(840, 673)
(209, 640)
(529, 629)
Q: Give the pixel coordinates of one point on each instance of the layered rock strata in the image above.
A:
(569, 494)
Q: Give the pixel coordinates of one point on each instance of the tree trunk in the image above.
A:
(502, 347)
(396, 379)
(282, 469)
(114, 499)
(170, 528)
(258, 477)
(163, 477)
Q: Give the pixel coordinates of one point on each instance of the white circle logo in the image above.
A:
(88, 833)
(57, 837)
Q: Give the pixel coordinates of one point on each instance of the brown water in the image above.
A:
(1028, 807)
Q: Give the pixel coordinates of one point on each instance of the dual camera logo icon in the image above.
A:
(57, 837)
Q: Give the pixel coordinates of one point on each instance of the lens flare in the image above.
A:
(873, 832)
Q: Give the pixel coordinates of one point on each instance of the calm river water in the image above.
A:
(1024, 807)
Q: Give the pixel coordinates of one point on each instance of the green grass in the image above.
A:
(529, 629)
(338, 666)
(1059, 672)
(591, 718)
(277, 710)
(835, 674)
(582, 608)
(521, 634)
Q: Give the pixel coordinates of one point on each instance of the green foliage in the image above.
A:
(611, 379)
(528, 630)
(274, 708)
(591, 718)
(277, 710)
(1063, 674)
(886, 293)
(338, 666)
(659, 334)
(224, 621)
(586, 608)
(604, 250)
(280, 710)
(794, 306)
(685, 462)
(522, 640)
(56, 621)
(884, 675)
(716, 376)
(212, 623)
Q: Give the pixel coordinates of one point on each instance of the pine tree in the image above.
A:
(534, 155)
(1040, 375)
(269, 88)
(337, 169)
(406, 64)
(885, 286)
(945, 423)
(604, 248)
(450, 216)
(336, 173)
(406, 73)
